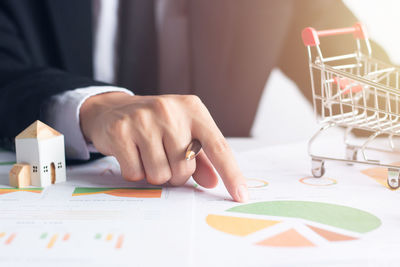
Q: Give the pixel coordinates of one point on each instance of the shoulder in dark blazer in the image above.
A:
(45, 49)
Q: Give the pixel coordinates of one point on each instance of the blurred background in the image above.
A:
(276, 124)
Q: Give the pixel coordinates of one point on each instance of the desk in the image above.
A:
(96, 218)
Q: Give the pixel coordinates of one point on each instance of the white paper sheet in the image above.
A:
(346, 218)
(55, 226)
(358, 225)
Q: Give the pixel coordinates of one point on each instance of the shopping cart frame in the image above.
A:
(349, 88)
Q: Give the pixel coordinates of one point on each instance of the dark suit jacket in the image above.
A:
(46, 48)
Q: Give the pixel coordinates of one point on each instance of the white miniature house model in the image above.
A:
(42, 148)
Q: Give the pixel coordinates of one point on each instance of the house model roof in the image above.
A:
(38, 130)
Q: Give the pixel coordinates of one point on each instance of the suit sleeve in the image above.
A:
(26, 83)
(325, 14)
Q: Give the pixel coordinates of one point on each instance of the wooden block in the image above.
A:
(20, 175)
(38, 130)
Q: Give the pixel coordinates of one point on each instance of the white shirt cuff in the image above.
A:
(62, 113)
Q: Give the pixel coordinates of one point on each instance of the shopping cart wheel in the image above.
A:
(351, 153)
(317, 168)
(393, 179)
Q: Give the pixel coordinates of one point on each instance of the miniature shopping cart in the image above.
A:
(354, 91)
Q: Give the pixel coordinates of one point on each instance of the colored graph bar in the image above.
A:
(120, 241)
(109, 237)
(12, 190)
(135, 192)
(43, 236)
(5, 163)
(66, 237)
(10, 239)
(52, 241)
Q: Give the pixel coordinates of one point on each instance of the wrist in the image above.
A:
(95, 105)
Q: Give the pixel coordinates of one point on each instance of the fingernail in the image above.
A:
(243, 193)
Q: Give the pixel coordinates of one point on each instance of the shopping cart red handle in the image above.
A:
(311, 36)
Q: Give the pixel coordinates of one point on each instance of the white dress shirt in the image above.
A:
(171, 26)
(105, 36)
(63, 109)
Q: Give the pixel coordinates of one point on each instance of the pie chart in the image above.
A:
(323, 181)
(256, 183)
(293, 224)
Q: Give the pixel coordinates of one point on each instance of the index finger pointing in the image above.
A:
(220, 154)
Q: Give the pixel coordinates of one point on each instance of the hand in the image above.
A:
(149, 135)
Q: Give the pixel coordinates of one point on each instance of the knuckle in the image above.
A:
(159, 178)
(141, 119)
(133, 176)
(183, 170)
(181, 173)
(220, 145)
(192, 100)
(161, 104)
(177, 182)
(118, 126)
(164, 110)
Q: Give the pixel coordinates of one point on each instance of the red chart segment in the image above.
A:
(331, 236)
(289, 238)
